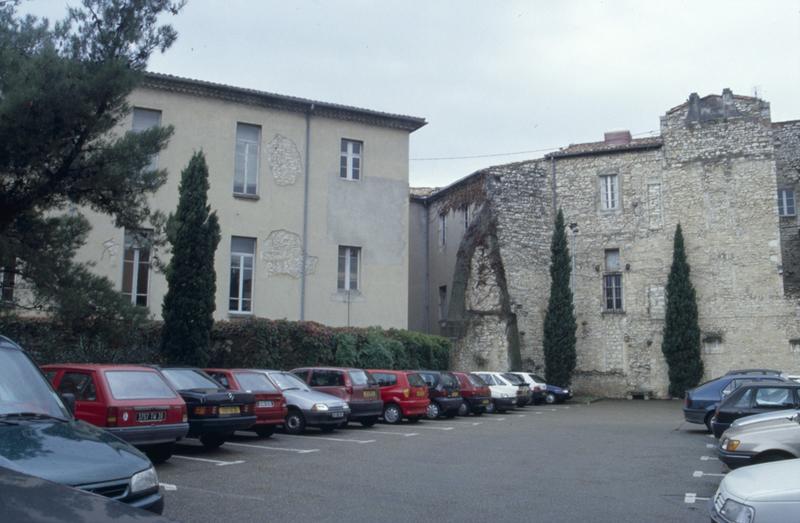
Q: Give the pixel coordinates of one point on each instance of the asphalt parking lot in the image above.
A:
(607, 461)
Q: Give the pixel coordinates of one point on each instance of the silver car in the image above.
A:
(768, 493)
(764, 416)
(308, 407)
(760, 442)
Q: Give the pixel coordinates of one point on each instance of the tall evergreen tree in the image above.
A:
(193, 231)
(681, 343)
(559, 322)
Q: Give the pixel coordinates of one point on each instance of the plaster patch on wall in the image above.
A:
(284, 161)
(283, 255)
(656, 301)
(110, 248)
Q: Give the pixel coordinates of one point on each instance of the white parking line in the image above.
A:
(700, 474)
(707, 458)
(710, 446)
(496, 419)
(433, 428)
(298, 451)
(476, 423)
(168, 486)
(545, 410)
(342, 440)
(406, 434)
(206, 460)
(691, 497)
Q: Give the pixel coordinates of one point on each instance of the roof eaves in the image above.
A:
(600, 152)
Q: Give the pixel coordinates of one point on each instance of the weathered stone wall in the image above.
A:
(787, 164)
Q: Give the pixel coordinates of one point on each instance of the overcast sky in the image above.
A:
(493, 77)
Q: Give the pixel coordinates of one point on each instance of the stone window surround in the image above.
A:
(605, 274)
(349, 171)
(600, 178)
(783, 199)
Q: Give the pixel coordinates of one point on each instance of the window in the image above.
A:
(442, 302)
(7, 277)
(786, 202)
(348, 268)
(326, 378)
(245, 173)
(144, 119)
(442, 230)
(466, 217)
(385, 379)
(254, 381)
(243, 252)
(609, 192)
(730, 387)
(350, 160)
(137, 385)
(775, 398)
(136, 267)
(79, 384)
(612, 281)
(744, 400)
(221, 378)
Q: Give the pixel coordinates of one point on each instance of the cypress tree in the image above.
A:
(681, 343)
(193, 231)
(559, 322)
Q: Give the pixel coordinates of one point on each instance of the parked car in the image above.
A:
(768, 493)
(404, 395)
(475, 394)
(537, 385)
(214, 413)
(554, 394)
(36, 500)
(700, 402)
(504, 393)
(524, 394)
(133, 402)
(270, 405)
(767, 372)
(754, 398)
(766, 416)
(39, 436)
(443, 392)
(355, 386)
(308, 407)
(760, 442)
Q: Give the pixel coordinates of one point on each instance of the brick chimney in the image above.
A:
(617, 137)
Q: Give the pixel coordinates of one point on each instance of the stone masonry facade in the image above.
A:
(716, 169)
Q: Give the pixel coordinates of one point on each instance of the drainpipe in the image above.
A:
(305, 216)
(427, 268)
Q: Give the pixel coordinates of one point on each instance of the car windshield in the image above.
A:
(537, 378)
(475, 380)
(359, 377)
(514, 379)
(254, 382)
(24, 389)
(137, 385)
(286, 381)
(415, 380)
(186, 379)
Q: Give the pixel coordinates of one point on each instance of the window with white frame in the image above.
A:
(466, 217)
(348, 268)
(609, 192)
(245, 174)
(243, 252)
(612, 281)
(350, 159)
(786, 202)
(144, 119)
(136, 266)
(442, 302)
(442, 230)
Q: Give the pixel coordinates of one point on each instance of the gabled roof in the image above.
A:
(243, 95)
(595, 148)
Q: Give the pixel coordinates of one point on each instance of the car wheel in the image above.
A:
(392, 414)
(550, 398)
(707, 421)
(768, 457)
(491, 407)
(160, 453)
(433, 411)
(369, 422)
(265, 432)
(295, 423)
(414, 419)
(463, 409)
(212, 441)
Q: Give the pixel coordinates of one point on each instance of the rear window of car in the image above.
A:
(514, 379)
(476, 380)
(359, 377)
(387, 380)
(287, 381)
(254, 381)
(430, 379)
(327, 378)
(137, 385)
(415, 380)
(487, 378)
(537, 378)
(184, 379)
(448, 380)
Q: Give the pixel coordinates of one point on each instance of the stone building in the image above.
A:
(720, 167)
(311, 198)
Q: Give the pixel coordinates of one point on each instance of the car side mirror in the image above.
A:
(69, 399)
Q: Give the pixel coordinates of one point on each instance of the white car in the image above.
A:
(504, 393)
(766, 493)
(537, 385)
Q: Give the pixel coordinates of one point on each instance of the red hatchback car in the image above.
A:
(270, 408)
(475, 393)
(355, 386)
(404, 395)
(132, 402)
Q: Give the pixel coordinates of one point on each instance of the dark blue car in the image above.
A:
(555, 394)
(701, 402)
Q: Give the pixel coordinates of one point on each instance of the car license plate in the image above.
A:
(144, 417)
(485, 402)
(370, 394)
(454, 394)
(421, 393)
(265, 404)
(337, 414)
(228, 411)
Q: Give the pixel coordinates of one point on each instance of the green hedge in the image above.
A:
(256, 343)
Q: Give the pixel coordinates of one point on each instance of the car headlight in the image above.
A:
(144, 480)
(737, 512)
(320, 407)
(731, 444)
